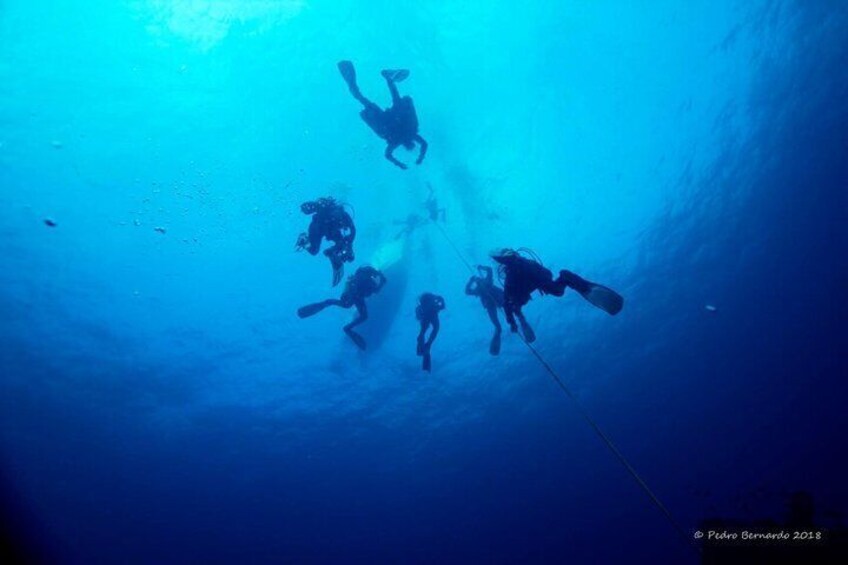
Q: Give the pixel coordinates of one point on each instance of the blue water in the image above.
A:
(161, 403)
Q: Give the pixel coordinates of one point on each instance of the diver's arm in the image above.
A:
(381, 282)
(423, 150)
(470, 287)
(390, 149)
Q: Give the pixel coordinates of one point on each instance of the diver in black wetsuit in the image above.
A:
(398, 125)
(366, 281)
(330, 221)
(492, 298)
(522, 276)
(427, 314)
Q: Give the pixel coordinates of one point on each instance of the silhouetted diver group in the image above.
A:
(521, 272)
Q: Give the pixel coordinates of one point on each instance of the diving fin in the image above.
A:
(604, 298)
(356, 338)
(310, 309)
(600, 296)
(426, 364)
(348, 72)
(338, 273)
(529, 334)
(395, 75)
(495, 344)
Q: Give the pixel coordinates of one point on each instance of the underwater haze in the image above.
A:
(161, 402)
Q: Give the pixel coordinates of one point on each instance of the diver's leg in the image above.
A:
(512, 305)
(419, 346)
(392, 88)
(529, 334)
(361, 316)
(554, 287)
(362, 100)
(492, 311)
(433, 333)
(495, 344)
(426, 362)
(354, 90)
(574, 281)
(509, 314)
(349, 75)
(548, 285)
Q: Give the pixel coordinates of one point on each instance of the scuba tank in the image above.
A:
(524, 263)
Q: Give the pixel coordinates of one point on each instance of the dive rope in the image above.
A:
(589, 420)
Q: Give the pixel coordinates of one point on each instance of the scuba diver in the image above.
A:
(427, 314)
(433, 211)
(491, 297)
(522, 276)
(366, 281)
(332, 222)
(410, 224)
(398, 125)
(415, 221)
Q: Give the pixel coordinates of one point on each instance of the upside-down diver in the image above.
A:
(398, 124)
